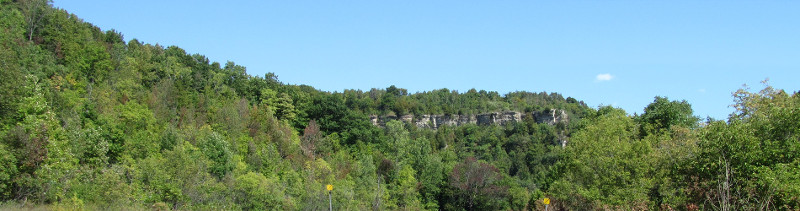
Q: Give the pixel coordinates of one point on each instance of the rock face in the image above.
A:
(495, 118)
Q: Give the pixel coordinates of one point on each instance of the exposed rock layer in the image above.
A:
(495, 118)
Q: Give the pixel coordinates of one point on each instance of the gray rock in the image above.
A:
(551, 117)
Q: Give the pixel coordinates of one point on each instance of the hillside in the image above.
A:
(90, 121)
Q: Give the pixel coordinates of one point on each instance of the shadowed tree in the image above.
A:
(310, 140)
(476, 183)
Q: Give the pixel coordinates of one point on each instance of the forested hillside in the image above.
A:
(90, 121)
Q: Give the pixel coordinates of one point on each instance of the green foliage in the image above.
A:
(431, 178)
(11, 21)
(751, 161)
(662, 114)
(218, 151)
(605, 164)
(283, 106)
(519, 198)
(406, 194)
(257, 192)
(109, 190)
(8, 171)
(88, 121)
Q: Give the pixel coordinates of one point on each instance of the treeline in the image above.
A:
(89, 121)
(397, 101)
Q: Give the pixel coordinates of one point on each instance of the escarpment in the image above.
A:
(551, 117)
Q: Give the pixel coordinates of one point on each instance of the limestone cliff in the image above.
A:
(495, 118)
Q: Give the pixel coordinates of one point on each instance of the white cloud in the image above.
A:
(604, 77)
(702, 90)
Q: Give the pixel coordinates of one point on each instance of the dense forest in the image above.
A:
(90, 121)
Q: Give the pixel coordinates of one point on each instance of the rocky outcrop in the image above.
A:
(551, 117)
(495, 118)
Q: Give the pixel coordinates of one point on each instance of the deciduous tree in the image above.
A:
(477, 184)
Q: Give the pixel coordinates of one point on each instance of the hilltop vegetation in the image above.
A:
(90, 121)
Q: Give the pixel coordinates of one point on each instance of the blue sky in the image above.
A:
(620, 53)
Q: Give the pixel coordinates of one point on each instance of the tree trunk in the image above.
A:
(377, 203)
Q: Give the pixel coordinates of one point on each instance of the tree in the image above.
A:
(399, 144)
(662, 114)
(476, 183)
(218, 151)
(312, 137)
(395, 100)
(751, 161)
(384, 170)
(406, 191)
(669, 128)
(284, 109)
(254, 191)
(34, 11)
(8, 171)
(605, 165)
(11, 21)
(31, 138)
(431, 178)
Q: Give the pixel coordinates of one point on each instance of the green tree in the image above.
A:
(254, 191)
(662, 114)
(605, 164)
(135, 121)
(36, 142)
(751, 161)
(35, 11)
(218, 151)
(406, 192)
(431, 178)
(283, 107)
(11, 21)
(8, 171)
(519, 198)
